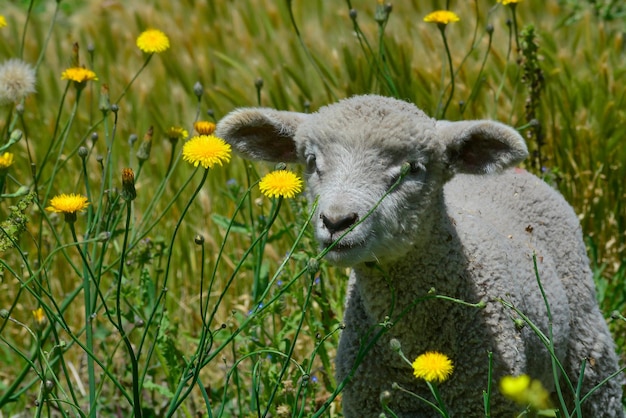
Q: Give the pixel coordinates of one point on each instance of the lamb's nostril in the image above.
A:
(339, 223)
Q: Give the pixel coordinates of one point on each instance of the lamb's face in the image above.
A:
(354, 151)
(354, 163)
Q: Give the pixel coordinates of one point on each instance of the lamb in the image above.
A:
(420, 207)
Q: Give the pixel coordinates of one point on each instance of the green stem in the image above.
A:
(129, 348)
(91, 375)
(442, 29)
(134, 78)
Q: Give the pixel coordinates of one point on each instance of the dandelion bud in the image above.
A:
(489, 28)
(132, 139)
(280, 166)
(105, 102)
(94, 137)
(353, 14)
(103, 236)
(48, 385)
(210, 113)
(19, 108)
(115, 108)
(82, 152)
(198, 90)
(313, 265)
(395, 345)
(4, 314)
(385, 397)
(128, 184)
(91, 47)
(258, 83)
(143, 153)
(307, 106)
(198, 239)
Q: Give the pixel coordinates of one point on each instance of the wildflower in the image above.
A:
(176, 133)
(441, 17)
(6, 161)
(280, 183)
(40, 317)
(525, 391)
(153, 41)
(206, 150)
(432, 366)
(128, 184)
(505, 2)
(17, 80)
(204, 128)
(3, 21)
(68, 204)
(79, 75)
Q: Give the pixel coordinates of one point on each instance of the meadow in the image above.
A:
(180, 290)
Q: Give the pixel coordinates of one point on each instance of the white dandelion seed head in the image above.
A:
(17, 80)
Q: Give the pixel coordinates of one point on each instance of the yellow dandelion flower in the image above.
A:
(153, 41)
(432, 366)
(3, 21)
(204, 128)
(280, 183)
(6, 160)
(206, 150)
(442, 17)
(525, 391)
(505, 2)
(79, 75)
(40, 317)
(68, 204)
(177, 132)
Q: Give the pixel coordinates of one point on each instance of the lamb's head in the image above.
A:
(376, 165)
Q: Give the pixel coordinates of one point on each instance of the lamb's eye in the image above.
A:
(311, 164)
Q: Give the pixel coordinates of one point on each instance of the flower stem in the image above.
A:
(91, 375)
(442, 29)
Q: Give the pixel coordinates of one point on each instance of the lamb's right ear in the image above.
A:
(261, 133)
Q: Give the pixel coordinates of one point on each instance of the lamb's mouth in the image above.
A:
(339, 247)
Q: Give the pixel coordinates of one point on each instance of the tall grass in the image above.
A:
(204, 295)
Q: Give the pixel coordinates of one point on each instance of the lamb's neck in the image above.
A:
(433, 264)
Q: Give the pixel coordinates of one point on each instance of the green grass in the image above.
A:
(243, 322)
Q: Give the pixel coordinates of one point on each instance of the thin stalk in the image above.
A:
(91, 374)
(129, 348)
(442, 29)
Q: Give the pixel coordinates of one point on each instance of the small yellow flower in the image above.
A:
(432, 366)
(153, 41)
(280, 183)
(206, 150)
(177, 132)
(6, 160)
(525, 391)
(204, 128)
(40, 317)
(3, 21)
(505, 2)
(442, 17)
(79, 75)
(68, 203)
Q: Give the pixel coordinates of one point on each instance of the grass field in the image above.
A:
(202, 296)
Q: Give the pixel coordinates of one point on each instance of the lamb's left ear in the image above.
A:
(262, 133)
(481, 146)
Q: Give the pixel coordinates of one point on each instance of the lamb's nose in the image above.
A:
(339, 223)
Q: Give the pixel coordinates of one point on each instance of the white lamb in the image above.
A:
(451, 227)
